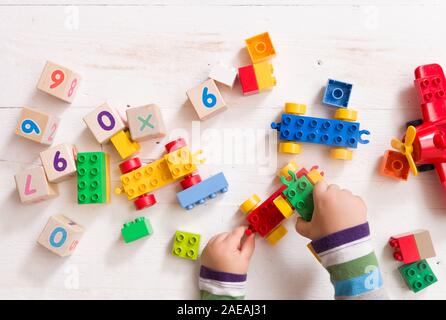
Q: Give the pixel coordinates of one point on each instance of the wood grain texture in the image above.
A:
(152, 52)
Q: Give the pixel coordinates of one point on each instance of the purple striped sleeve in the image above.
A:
(207, 273)
(341, 237)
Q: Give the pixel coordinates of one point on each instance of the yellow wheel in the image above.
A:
(289, 147)
(292, 165)
(341, 154)
(295, 108)
(276, 235)
(250, 204)
(346, 114)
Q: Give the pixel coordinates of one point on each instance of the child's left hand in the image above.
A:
(229, 252)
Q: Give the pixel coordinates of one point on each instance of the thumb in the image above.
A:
(303, 227)
(248, 246)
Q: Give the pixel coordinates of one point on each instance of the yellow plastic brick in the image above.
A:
(260, 47)
(315, 176)
(283, 206)
(124, 144)
(180, 162)
(292, 165)
(276, 235)
(264, 75)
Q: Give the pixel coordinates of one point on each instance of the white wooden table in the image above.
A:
(153, 52)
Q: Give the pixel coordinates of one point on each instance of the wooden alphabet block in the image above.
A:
(59, 81)
(206, 99)
(33, 186)
(104, 122)
(145, 122)
(59, 162)
(223, 74)
(37, 126)
(61, 235)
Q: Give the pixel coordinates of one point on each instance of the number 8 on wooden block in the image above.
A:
(59, 81)
(206, 99)
(61, 235)
(59, 162)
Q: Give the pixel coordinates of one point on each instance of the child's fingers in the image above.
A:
(236, 235)
(303, 227)
(248, 246)
(319, 188)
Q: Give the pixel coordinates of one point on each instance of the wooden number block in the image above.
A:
(59, 162)
(59, 81)
(223, 74)
(206, 99)
(104, 122)
(146, 122)
(61, 235)
(37, 126)
(33, 186)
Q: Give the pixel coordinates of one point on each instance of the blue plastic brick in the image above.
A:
(336, 133)
(337, 93)
(198, 193)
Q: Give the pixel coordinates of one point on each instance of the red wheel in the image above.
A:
(145, 201)
(175, 145)
(190, 180)
(130, 165)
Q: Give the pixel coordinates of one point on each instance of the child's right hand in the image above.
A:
(334, 210)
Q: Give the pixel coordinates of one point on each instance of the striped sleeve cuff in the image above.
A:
(349, 257)
(221, 285)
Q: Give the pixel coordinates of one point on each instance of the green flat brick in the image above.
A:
(134, 230)
(299, 193)
(186, 245)
(92, 177)
(418, 275)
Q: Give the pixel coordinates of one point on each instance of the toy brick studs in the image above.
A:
(186, 245)
(61, 235)
(145, 122)
(37, 126)
(104, 122)
(33, 186)
(59, 82)
(59, 162)
(93, 178)
(417, 275)
(260, 47)
(337, 93)
(135, 230)
(394, 165)
(206, 99)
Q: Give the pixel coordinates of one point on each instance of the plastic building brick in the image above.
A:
(276, 235)
(33, 186)
(145, 122)
(314, 176)
(418, 275)
(186, 245)
(283, 206)
(264, 75)
(58, 81)
(37, 126)
(181, 162)
(337, 93)
(299, 193)
(93, 178)
(61, 235)
(124, 144)
(412, 246)
(206, 99)
(197, 193)
(260, 47)
(135, 230)
(394, 165)
(248, 81)
(335, 133)
(223, 74)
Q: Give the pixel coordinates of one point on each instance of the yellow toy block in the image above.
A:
(283, 206)
(264, 75)
(284, 172)
(124, 144)
(260, 47)
(315, 176)
(310, 247)
(182, 162)
(276, 235)
(145, 179)
(107, 177)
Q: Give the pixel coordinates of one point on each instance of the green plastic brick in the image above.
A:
(186, 245)
(418, 275)
(299, 193)
(92, 177)
(134, 230)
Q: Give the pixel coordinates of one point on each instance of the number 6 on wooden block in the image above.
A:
(59, 162)
(33, 186)
(61, 235)
(59, 81)
(104, 122)
(206, 99)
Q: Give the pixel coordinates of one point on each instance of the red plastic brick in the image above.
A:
(248, 80)
(405, 248)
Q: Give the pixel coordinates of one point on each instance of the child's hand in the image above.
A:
(229, 252)
(334, 210)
